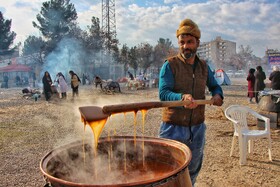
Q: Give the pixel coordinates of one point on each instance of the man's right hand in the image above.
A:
(188, 97)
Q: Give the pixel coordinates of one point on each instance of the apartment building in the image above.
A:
(218, 51)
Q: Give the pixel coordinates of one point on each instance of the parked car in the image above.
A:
(240, 73)
(230, 73)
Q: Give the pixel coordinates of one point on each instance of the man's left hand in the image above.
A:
(217, 100)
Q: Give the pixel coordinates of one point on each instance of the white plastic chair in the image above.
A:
(238, 115)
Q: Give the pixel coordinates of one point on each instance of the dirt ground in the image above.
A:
(29, 129)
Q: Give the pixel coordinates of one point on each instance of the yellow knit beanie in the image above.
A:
(187, 26)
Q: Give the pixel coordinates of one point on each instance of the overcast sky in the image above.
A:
(251, 22)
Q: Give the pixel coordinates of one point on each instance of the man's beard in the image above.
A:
(188, 55)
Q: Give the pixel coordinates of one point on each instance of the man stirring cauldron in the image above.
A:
(185, 77)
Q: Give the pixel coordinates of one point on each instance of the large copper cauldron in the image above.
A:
(162, 163)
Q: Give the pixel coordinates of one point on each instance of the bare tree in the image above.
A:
(132, 59)
(244, 59)
(34, 49)
(124, 58)
(162, 50)
(145, 56)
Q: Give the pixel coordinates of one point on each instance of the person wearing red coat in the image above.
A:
(251, 82)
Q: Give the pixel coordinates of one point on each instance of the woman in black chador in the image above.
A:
(259, 82)
(47, 82)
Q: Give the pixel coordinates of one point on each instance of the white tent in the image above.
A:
(221, 77)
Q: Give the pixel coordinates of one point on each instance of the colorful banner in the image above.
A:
(274, 58)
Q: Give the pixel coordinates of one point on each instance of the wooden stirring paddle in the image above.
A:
(94, 113)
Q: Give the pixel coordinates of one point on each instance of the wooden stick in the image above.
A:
(128, 107)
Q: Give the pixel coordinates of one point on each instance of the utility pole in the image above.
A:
(109, 23)
(109, 33)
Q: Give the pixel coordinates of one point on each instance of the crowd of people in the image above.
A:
(59, 85)
(49, 87)
(256, 78)
(11, 80)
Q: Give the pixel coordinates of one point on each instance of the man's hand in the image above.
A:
(217, 100)
(188, 97)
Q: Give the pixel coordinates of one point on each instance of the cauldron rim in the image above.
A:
(173, 143)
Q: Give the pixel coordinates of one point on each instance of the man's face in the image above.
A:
(188, 45)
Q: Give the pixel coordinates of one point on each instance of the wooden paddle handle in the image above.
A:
(128, 107)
